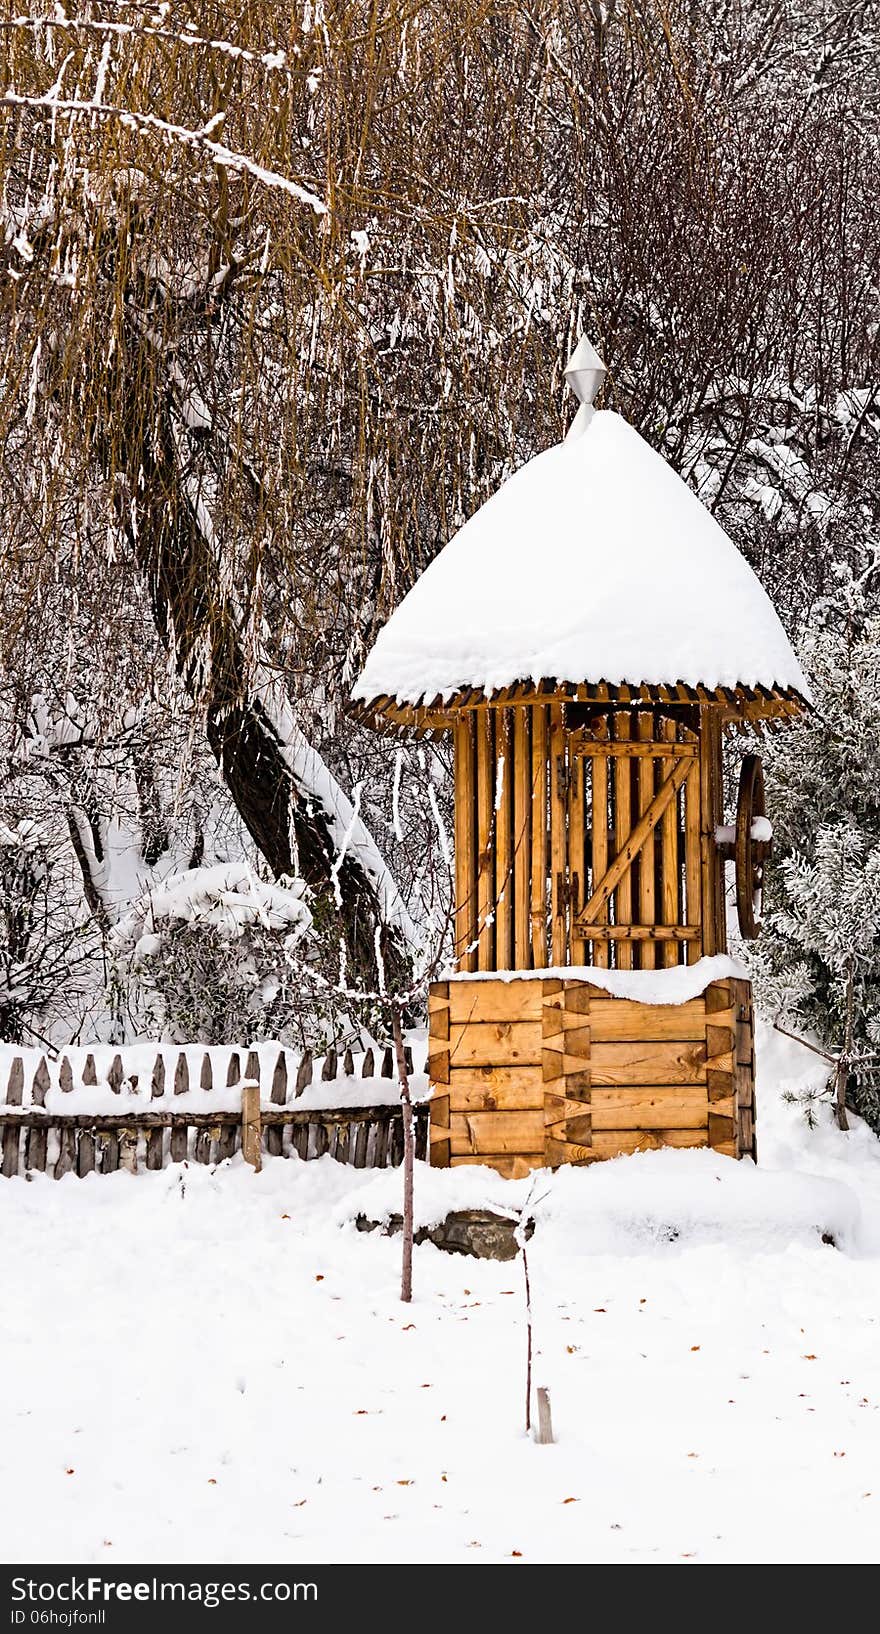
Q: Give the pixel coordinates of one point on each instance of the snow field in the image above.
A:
(206, 1365)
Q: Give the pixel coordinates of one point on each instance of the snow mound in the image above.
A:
(593, 562)
(636, 1203)
(226, 895)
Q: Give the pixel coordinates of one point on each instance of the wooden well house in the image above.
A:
(587, 638)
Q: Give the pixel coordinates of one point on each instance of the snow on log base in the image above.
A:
(593, 563)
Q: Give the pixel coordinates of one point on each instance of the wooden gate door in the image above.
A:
(634, 844)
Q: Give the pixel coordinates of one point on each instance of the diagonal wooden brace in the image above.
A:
(627, 854)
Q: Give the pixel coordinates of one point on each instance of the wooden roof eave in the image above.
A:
(740, 703)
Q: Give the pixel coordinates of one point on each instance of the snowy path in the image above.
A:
(190, 1374)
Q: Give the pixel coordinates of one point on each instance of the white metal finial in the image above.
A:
(585, 372)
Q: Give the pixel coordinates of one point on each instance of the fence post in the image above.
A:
(251, 1126)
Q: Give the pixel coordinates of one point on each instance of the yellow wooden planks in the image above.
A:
(504, 887)
(647, 870)
(496, 1089)
(465, 845)
(665, 1108)
(506, 1132)
(494, 1043)
(485, 841)
(522, 839)
(539, 857)
(645, 1062)
(495, 1001)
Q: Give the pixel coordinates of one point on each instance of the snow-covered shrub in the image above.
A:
(817, 963)
(215, 955)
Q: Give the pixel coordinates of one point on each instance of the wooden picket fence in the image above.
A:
(81, 1142)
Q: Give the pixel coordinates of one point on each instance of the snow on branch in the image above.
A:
(348, 832)
(199, 139)
(273, 61)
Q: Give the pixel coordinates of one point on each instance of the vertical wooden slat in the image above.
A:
(66, 1160)
(304, 1072)
(714, 937)
(37, 1139)
(577, 853)
(599, 821)
(278, 1097)
(85, 1153)
(465, 844)
(109, 1153)
(622, 828)
(558, 836)
(669, 864)
(539, 837)
(12, 1130)
(485, 835)
(179, 1137)
(647, 875)
(522, 839)
(692, 881)
(503, 841)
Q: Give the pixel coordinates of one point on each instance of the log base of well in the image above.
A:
(529, 1073)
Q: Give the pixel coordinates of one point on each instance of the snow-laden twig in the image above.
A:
(149, 122)
(272, 61)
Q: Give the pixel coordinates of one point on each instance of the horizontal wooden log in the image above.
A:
(474, 1089)
(504, 1043)
(509, 1166)
(615, 1142)
(664, 1108)
(438, 1026)
(438, 1066)
(565, 1151)
(203, 1120)
(506, 1132)
(494, 1001)
(620, 1019)
(718, 996)
(648, 1063)
(646, 751)
(638, 933)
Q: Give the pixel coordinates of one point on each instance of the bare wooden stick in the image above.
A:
(408, 1158)
(544, 1435)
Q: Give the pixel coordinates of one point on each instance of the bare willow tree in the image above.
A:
(285, 294)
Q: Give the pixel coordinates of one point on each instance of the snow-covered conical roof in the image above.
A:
(594, 562)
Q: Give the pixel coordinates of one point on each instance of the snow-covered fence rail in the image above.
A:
(101, 1109)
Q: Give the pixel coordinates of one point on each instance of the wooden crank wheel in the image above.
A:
(752, 845)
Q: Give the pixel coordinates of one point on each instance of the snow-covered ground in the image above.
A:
(206, 1365)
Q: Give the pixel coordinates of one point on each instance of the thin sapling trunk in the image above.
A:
(408, 1157)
